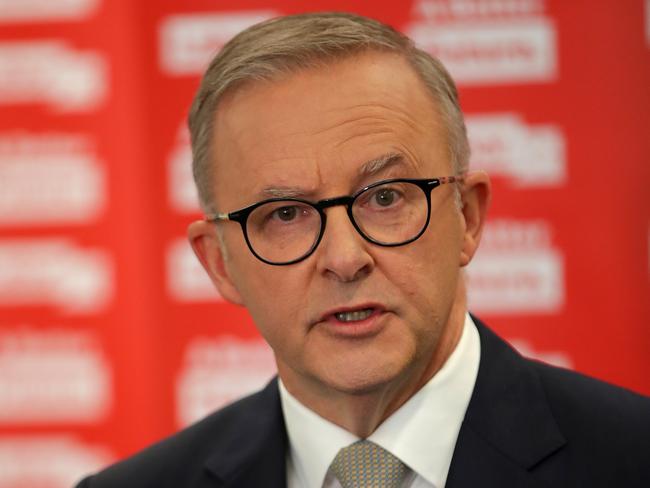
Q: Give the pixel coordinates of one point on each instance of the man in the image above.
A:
(331, 161)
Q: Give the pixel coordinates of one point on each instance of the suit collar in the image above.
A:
(251, 451)
(509, 427)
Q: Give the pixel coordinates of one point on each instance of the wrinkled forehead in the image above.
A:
(341, 113)
(376, 76)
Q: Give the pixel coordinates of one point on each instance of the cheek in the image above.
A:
(273, 312)
(273, 295)
(427, 270)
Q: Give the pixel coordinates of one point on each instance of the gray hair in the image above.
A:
(288, 44)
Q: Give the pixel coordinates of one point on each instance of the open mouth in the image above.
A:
(354, 322)
(354, 316)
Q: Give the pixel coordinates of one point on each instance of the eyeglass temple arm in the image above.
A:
(217, 216)
(452, 179)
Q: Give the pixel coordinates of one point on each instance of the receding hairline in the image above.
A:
(322, 47)
(319, 61)
(374, 165)
(344, 36)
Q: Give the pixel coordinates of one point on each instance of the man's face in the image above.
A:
(311, 134)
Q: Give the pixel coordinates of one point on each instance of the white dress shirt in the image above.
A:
(422, 433)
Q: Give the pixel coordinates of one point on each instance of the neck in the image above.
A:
(362, 412)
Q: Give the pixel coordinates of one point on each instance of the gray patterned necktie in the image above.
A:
(364, 464)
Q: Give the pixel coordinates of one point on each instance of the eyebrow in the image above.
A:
(376, 165)
(285, 192)
(369, 168)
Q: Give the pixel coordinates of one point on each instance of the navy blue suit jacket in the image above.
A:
(527, 425)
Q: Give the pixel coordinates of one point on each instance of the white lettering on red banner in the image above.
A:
(49, 178)
(45, 10)
(182, 193)
(48, 461)
(516, 51)
(444, 10)
(187, 42)
(530, 155)
(52, 73)
(217, 371)
(52, 376)
(54, 272)
(498, 41)
(187, 281)
(517, 270)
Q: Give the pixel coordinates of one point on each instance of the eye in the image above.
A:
(286, 214)
(282, 215)
(384, 197)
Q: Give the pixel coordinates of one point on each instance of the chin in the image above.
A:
(364, 381)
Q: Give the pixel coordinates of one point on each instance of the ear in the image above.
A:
(208, 247)
(475, 194)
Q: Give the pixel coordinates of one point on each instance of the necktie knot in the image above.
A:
(364, 464)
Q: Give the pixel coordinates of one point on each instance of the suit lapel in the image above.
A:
(508, 428)
(252, 453)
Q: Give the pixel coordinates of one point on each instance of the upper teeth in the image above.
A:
(353, 316)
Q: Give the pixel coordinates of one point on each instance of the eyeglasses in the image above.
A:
(390, 213)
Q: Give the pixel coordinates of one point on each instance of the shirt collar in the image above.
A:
(422, 432)
(313, 440)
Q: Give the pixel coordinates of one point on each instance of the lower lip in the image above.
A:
(369, 326)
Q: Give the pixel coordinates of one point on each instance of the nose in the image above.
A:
(343, 254)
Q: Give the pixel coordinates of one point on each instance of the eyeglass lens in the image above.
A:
(284, 231)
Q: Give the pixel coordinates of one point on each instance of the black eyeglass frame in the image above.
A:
(427, 185)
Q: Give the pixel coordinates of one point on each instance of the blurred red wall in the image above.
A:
(110, 334)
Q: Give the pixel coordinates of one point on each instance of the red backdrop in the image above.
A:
(110, 334)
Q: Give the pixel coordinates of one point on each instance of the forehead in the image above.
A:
(315, 128)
